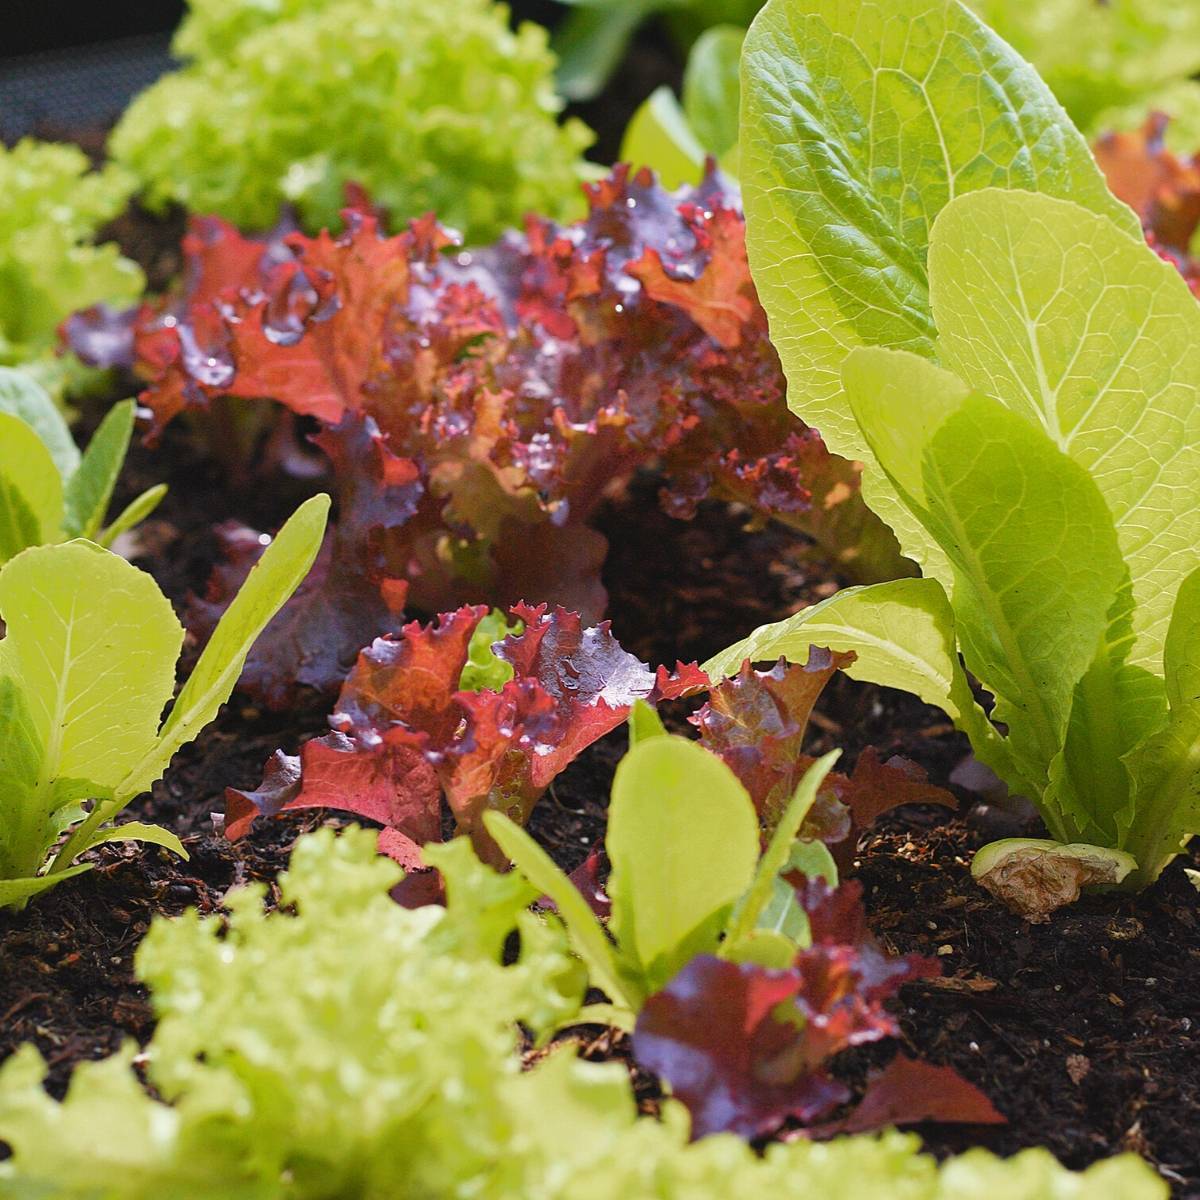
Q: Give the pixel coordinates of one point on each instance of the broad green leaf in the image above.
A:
(15, 892)
(272, 580)
(1089, 334)
(1031, 543)
(22, 818)
(1165, 768)
(31, 492)
(861, 120)
(644, 722)
(904, 637)
(93, 643)
(775, 858)
(90, 488)
(134, 513)
(683, 842)
(591, 42)
(22, 396)
(136, 831)
(587, 937)
(712, 88)
(660, 136)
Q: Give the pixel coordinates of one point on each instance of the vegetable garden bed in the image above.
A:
(775, 944)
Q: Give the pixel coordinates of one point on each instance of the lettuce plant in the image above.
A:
(430, 106)
(477, 407)
(1015, 368)
(345, 1046)
(746, 971)
(49, 492)
(54, 204)
(454, 709)
(87, 665)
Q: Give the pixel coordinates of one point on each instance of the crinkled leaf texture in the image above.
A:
(345, 1045)
(756, 723)
(477, 406)
(407, 732)
(260, 115)
(746, 1047)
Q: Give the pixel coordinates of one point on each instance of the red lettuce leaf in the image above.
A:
(524, 381)
(910, 1092)
(746, 1048)
(757, 721)
(402, 703)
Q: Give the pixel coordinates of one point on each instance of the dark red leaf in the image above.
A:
(756, 723)
(746, 1048)
(910, 1092)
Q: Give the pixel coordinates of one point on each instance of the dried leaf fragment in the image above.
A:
(1033, 876)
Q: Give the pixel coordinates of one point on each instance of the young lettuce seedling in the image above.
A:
(1016, 371)
(687, 877)
(49, 492)
(86, 668)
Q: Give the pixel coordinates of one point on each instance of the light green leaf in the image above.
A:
(272, 580)
(1087, 333)
(93, 643)
(136, 831)
(1030, 541)
(712, 88)
(588, 939)
(483, 668)
(23, 836)
(15, 892)
(134, 513)
(22, 396)
(90, 488)
(659, 136)
(592, 41)
(904, 637)
(683, 842)
(644, 722)
(31, 493)
(1165, 768)
(861, 120)
(775, 858)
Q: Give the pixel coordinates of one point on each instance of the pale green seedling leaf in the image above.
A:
(861, 120)
(1086, 332)
(90, 488)
(134, 513)
(775, 857)
(588, 939)
(22, 396)
(484, 669)
(644, 722)
(272, 580)
(15, 892)
(660, 136)
(904, 637)
(683, 842)
(93, 643)
(1165, 768)
(712, 88)
(136, 831)
(31, 492)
